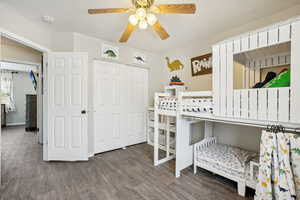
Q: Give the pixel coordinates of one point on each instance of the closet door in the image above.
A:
(107, 107)
(137, 104)
(120, 105)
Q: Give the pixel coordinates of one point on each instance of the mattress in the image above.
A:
(227, 157)
(242, 175)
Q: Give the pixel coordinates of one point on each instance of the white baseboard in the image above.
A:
(91, 155)
(16, 124)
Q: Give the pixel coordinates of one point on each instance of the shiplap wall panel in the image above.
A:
(263, 62)
(253, 104)
(263, 39)
(295, 71)
(283, 104)
(262, 104)
(252, 73)
(253, 41)
(272, 104)
(247, 76)
(237, 103)
(257, 74)
(230, 78)
(282, 60)
(275, 60)
(216, 79)
(285, 33)
(245, 104)
(237, 45)
(269, 61)
(288, 59)
(245, 43)
(223, 83)
(273, 36)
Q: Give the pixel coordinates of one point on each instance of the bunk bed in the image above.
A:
(249, 101)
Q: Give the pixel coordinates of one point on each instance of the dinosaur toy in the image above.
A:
(139, 59)
(110, 53)
(175, 65)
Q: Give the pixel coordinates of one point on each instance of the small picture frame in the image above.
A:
(139, 58)
(110, 52)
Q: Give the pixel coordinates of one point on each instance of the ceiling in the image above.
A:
(212, 17)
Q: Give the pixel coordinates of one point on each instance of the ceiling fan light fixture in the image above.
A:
(133, 20)
(143, 24)
(151, 19)
(141, 13)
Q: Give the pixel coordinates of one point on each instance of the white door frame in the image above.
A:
(45, 51)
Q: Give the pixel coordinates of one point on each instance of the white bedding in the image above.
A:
(227, 157)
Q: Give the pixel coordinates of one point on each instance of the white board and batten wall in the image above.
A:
(120, 105)
(274, 104)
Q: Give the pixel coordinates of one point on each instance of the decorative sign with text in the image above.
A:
(202, 65)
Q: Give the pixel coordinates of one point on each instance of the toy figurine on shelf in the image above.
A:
(176, 81)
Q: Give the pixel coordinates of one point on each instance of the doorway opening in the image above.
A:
(21, 70)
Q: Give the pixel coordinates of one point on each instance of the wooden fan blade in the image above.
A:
(107, 10)
(160, 31)
(177, 8)
(128, 31)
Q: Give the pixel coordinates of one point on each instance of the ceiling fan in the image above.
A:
(143, 14)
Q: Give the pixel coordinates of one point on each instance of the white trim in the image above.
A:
(16, 124)
(22, 40)
(91, 155)
(13, 66)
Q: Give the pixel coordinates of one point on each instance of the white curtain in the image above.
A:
(6, 91)
(279, 172)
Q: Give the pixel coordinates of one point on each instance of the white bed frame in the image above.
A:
(242, 183)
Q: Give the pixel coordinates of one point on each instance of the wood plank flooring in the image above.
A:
(118, 175)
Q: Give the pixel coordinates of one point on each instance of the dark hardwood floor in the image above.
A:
(118, 175)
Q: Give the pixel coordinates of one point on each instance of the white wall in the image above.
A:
(22, 86)
(13, 21)
(13, 51)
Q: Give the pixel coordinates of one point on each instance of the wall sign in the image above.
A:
(109, 51)
(201, 65)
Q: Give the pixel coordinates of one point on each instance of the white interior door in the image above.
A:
(120, 105)
(136, 112)
(107, 106)
(67, 104)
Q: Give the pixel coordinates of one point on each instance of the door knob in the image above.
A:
(83, 112)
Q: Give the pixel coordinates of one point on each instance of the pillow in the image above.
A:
(282, 80)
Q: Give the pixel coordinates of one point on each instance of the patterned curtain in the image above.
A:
(279, 172)
(6, 91)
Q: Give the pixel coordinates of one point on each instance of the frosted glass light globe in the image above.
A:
(141, 13)
(143, 24)
(151, 19)
(133, 20)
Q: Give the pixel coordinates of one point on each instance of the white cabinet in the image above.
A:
(120, 105)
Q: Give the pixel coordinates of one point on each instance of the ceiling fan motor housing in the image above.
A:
(142, 3)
